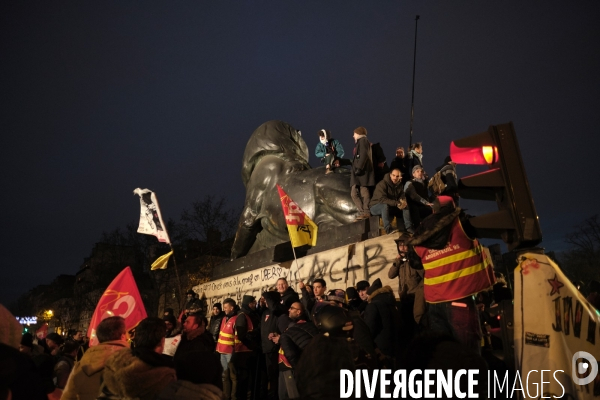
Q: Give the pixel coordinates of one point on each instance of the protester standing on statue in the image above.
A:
(362, 178)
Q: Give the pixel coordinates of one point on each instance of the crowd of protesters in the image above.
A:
(400, 190)
(286, 344)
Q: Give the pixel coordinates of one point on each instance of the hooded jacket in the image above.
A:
(127, 376)
(84, 381)
(321, 149)
(387, 192)
(268, 323)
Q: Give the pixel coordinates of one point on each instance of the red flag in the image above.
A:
(121, 298)
(301, 228)
(42, 332)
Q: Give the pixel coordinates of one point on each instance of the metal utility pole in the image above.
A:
(412, 105)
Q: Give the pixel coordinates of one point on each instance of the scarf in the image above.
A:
(419, 156)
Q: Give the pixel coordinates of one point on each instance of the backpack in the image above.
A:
(436, 184)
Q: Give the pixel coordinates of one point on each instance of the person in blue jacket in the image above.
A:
(329, 150)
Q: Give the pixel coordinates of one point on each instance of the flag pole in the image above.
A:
(296, 259)
(181, 305)
(412, 105)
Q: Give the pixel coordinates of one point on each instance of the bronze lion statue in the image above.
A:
(277, 154)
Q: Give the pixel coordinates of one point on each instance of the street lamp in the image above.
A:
(48, 315)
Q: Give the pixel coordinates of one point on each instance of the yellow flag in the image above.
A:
(161, 262)
(301, 228)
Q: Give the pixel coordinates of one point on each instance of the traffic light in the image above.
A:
(516, 221)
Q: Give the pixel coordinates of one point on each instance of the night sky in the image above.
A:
(99, 98)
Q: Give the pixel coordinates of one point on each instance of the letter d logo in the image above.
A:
(581, 368)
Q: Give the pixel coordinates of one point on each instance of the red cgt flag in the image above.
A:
(301, 228)
(121, 298)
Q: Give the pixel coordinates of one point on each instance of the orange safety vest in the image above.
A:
(458, 270)
(228, 341)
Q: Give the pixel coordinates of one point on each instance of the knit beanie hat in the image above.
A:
(247, 299)
(416, 168)
(351, 293)
(218, 305)
(376, 285)
(362, 285)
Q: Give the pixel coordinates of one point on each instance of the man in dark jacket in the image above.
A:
(417, 198)
(245, 362)
(318, 294)
(387, 200)
(195, 337)
(383, 319)
(362, 177)
(410, 282)
(362, 287)
(380, 166)
(215, 320)
(287, 296)
(292, 341)
(268, 328)
(400, 162)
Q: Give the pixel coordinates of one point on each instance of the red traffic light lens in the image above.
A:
(483, 155)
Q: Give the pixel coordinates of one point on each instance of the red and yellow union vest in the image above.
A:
(458, 270)
(228, 342)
